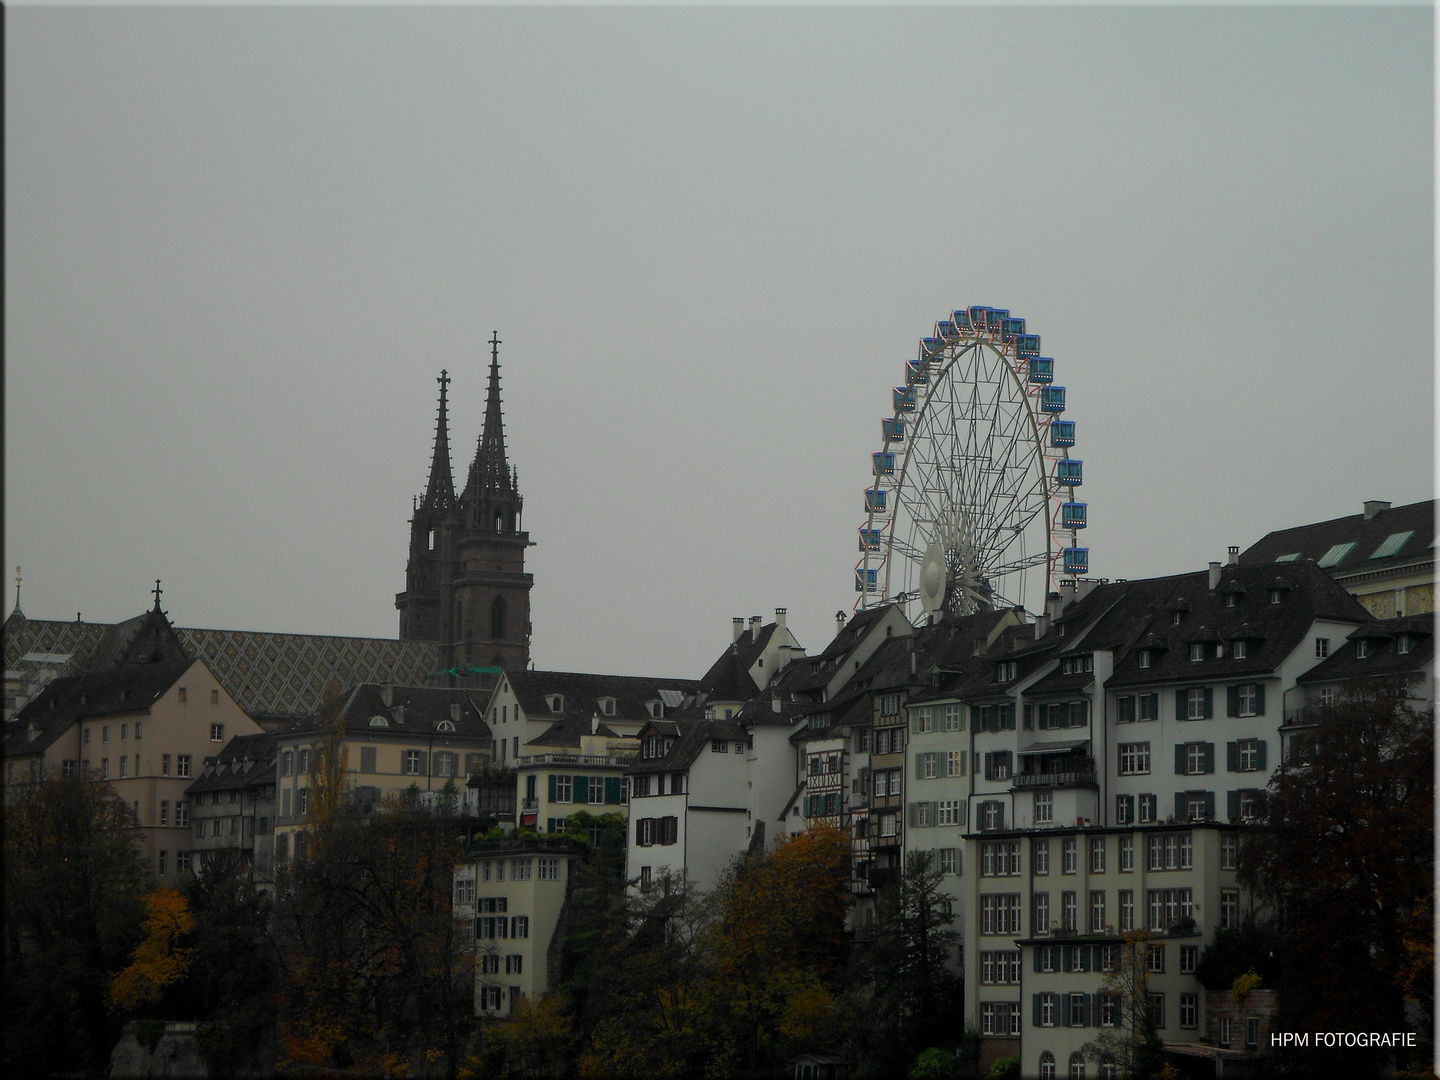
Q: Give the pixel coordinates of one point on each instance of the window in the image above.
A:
(1189, 958)
(444, 763)
(920, 721)
(1041, 913)
(105, 734)
(182, 862)
(520, 926)
(1229, 909)
(1322, 647)
(929, 766)
(1067, 910)
(181, 695)
(1245, 700)
(164, 811)
(1404, 644)
(1225, 1031)
(1249, 755)
(1157, 1009)
(412, 762)
(1097, 854)
(1067, 855)
(719, 746)
(952, 718)
(1000, 858)
(521, 869)
(1000, 913)
(1134, 759)
(1229, 844)
(952, 812)
(1252, 1033)
(1000, 968)
(1127, 909)
(1127, 854)
(1197, 700)
(1149, 707)
(1097, 912)
(1197, 651)
(549, 869)
(1147, 804)
(217, 732)
(124, 762)
(1195, 759)
(302, 801)
(1171, 851)
(1155, 960)
(1168, 906)
(464, 890)
(955, 763)
(513, 962)
(1044, 807)
(287, 763)
(992, 816)
(997, 765)
(1047, 1019)
(182, 764)
(949, 860)
(305, 760)
(182, 813)
(1239, 649)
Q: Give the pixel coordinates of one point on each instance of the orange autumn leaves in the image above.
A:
(159, 959)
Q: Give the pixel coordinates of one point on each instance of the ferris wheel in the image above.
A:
(973, 496)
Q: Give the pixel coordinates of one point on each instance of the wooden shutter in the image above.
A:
(1232, 803)
(612, 790)
(964, 810)
(1209, 756)
(1180, 806)
(424, 763)
(1179, 759)
(1179, 704)
(1210, 805)
(1259, 699)
(934, 813)
(1260, 756)
(919, 766)
(1209, 703)
(552, 787)
(1129, 809)
(1036, 952)
(579, 789)
(1035, 998)
(1232, 756)
(912, 816)
(1232, 701)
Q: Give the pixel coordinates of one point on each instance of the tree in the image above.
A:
(73, 913)
(1131, 1040)
(160, 959)
(1344, 854)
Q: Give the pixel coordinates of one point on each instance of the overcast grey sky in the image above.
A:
(242, 243)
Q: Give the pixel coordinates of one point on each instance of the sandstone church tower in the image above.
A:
(465, 582)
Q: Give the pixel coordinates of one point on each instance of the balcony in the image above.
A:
(1073, 772)
(613, 760)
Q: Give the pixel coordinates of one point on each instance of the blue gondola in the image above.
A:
(1042, 369)
(884, 462)
(1062, 433)
(961, 319)
(1077, 560)
(1072, 515)
(1010, 328)
(904, 399)
(916, 373)
(929, 345)
(945, 329)
(892, 430)
(1052, 399)
(1068, 472)
(866, 580)
(977, 317)
(1027, 344)
(869, 539)
(875, 500)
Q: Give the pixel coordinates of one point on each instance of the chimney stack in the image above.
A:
(1054, 607)
(594, 725)
(754, 627)
(1232, 555)
(1374, 506)
(737, 627)
(779, 618)
(1214, 576)
(455, 711)
(839, 621)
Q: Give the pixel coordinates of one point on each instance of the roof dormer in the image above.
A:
(607, 706)
(556, 702)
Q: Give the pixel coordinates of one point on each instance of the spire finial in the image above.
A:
(157, 591)
(17, 588)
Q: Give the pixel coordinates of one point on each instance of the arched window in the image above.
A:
(1047, 1066)
(1077, 1066)
(497, 618)
(499, 520)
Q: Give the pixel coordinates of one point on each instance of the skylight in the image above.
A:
(1289, 558)
(1336, 554)
(1393, 543)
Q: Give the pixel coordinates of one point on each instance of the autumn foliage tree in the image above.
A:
(160, 959)
(1345, 855)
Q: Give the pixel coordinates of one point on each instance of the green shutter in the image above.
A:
(552, 787)
(1210, 805)
(1179, 704)
(1209, 703)
(1036, 953)
(919, 766)
(1232, 803)
(612, 790)
(1232, 757)
(1209, 757)
(579, 789)
(1179, 806)
(1232, 701)
(1261, 756)
(1035, 998)
(1129, 809)
(1179, 759)
(1259, 699)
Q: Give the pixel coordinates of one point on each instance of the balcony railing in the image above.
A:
(1079, 775)
(616, 760)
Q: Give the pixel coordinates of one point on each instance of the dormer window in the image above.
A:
(1197, 651)
(657, 708)
(607, 706)
(1220, 651)
(1230, 600)
(1239, 650)
(1274, 596)
(1404, 644)
(556, 703)
(1143, 658)
(1005, 671)
(1362, 649)
(445, 725)
(1176, 617)
(379, 721)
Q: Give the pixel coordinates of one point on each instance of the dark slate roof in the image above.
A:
(1314, 542)
(810, 673)
(425, 709)
(729, 677)
(567, 732)
(694, 738)
(1272, 630)
(1383, 659)
(583, 691)
(122, 690)
(245, 761)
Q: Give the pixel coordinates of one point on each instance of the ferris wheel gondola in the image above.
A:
(972, 503)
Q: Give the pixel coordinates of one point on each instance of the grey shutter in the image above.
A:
(934, 813)
(1036, 952)
(1260, 757)
(1035, 998)
(1210, 805)
(1064, 1005)
(1232, 701)
(1209, 757)
(912, 814)
(1129, 809)
(424, 763)
(919, 766)
(1209, 703)
(1259, 699)
(964, 811)
(1179, 759)
(1029, 717)
(552, 787)
(1232, 804)
(1232, 756)
(1179, 806)
(1179, 704)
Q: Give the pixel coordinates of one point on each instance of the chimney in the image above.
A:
(754, 627)
(1214, 576)
(398, 712)
(775, 700)
(839, 621)
(455, 711)
(1042, 624)
(912, 663)
(737, 627)
(387, 694)
(779, 619)
(1232, 555)
(1054, 606)
(594, 725)
(1374, 506)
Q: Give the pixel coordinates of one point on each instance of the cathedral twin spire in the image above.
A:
(489, 472)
